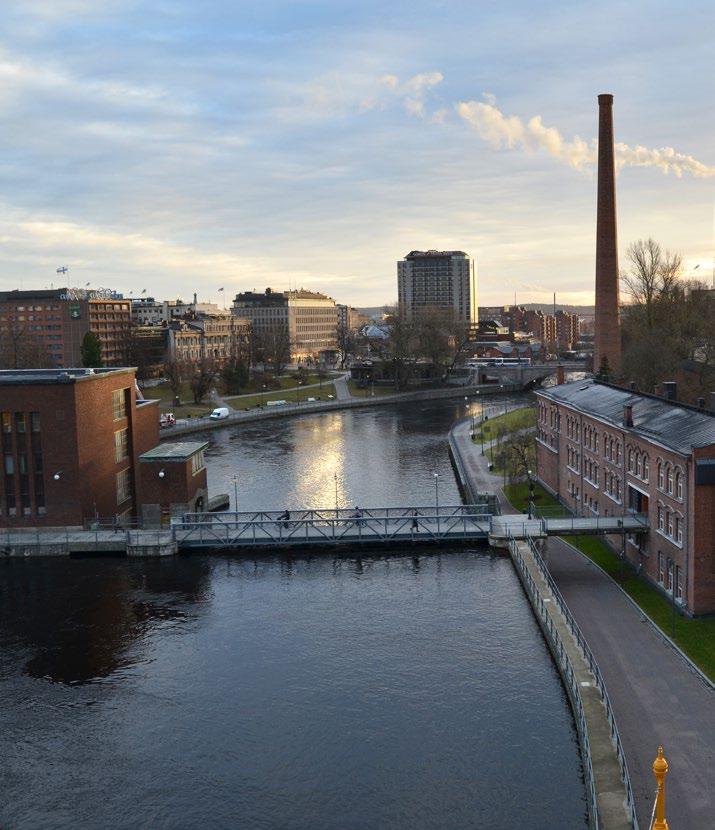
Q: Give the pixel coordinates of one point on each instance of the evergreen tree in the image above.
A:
(91, 351)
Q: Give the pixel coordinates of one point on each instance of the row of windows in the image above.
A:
(638, 464)
(612, 486)
(670, 480)
(670, 524)
(21, 421)
(674, 573)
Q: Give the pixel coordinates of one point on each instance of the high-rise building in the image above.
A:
(441, 279)
(306, 320)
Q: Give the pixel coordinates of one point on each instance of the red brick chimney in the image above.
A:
(560, 375)
(607, 338)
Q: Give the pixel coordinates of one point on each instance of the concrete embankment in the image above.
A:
(611, 803)
(269, 413)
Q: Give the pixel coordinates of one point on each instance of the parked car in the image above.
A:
(167, 419)
(219, 413)
(276, 403)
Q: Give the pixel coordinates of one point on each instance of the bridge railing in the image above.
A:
(630, 523)
(570, 675)
(416, 524)
(482, 506)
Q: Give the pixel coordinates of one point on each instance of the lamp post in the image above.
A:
(263, 394)
(337, 504)
(436, 497)
(58, 475)
(531, 494)
(235, 493)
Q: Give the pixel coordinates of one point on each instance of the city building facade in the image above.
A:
(438, 279)
(307, 319)
(81, 446)
(45, 328)
(604, 450)
(215, 338)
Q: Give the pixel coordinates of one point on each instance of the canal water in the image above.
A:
(374, 691)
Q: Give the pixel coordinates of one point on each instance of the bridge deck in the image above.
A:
(313, 528)
(521, 527)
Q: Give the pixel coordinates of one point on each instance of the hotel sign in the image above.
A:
(84, 294)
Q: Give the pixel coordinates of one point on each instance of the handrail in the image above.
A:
(569, 671)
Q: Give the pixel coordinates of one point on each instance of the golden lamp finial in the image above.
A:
(660, 770)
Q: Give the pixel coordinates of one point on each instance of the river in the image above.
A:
(374, 691)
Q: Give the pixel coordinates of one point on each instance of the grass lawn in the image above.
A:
(295, 395)
(695, 637)
(356, 392)
(512, 421)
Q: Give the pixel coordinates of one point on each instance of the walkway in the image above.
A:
(656, 695)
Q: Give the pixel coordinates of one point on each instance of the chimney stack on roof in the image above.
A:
(560, 375)
(628, 415)
(670, 388)
(712, 401)
(701, 403)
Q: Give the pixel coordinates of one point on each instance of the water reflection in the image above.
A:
(78, 620)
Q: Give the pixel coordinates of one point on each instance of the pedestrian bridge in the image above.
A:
(331, 527)
(478, 522)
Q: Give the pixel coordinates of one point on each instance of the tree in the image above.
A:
(19, 349)
(346, 343)
(91, 351)
(174, 372)
(203, 374)
(652, 276)
(402, 346)
(271, 345)
(235, 375)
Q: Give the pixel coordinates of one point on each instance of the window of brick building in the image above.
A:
(119, 407)
(121, 444)
(123, 486)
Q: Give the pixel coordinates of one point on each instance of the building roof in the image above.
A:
(669, 423)
(27, 377)
(179, 451)
(432, 253)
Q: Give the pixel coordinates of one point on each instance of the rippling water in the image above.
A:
(309, 692)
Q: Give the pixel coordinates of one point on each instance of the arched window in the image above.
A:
(661, 477)
(630, 461)
(638, 464)
(669, 478)
(645, 468)
(661, 524)
(679, 485)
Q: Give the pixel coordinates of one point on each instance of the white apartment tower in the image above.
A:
(445, 279)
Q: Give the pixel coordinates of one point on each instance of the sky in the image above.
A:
(177, 146)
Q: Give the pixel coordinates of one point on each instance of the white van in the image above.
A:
(276, 403)
(219, 413)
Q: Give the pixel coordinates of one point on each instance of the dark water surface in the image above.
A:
(311, 692)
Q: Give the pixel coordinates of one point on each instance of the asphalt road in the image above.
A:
(656, 696)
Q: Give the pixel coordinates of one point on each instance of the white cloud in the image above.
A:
(511, 132)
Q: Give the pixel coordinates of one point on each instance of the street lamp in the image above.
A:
(162, 473)
(58, 475)
(337, 504)
(531, 494)
(235, 493)
(263, 394)
(436, 497)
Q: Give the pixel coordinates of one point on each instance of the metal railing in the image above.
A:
(568, 673)
(631, 523)
(332, 526)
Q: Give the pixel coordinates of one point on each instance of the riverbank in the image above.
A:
(609, 790)
(289, 410)
(658, 696)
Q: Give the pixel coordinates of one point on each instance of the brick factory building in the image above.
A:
(45, 328)
(604, 450)
(71, 447)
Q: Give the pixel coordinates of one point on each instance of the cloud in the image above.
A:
(412, 92)
(511, 132)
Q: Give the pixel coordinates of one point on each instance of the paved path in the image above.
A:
(657, 697)
(342, 391)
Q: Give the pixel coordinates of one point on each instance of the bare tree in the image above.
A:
(20, 348)
(402, 346)
(652, 275)
(346, 342)
(175, 374)
(202, 376)
(271, 344)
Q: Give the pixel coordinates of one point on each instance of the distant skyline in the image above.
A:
(178, 147)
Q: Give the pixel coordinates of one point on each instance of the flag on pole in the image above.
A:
(143, 290)
(86, 284)
(220, 289)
